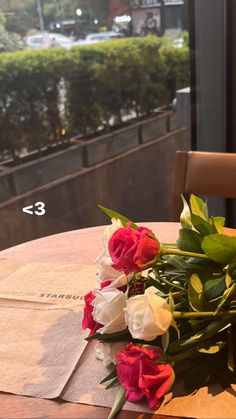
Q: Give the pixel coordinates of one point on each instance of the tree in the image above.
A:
(66, 9)
(20, 15)
(8, 41)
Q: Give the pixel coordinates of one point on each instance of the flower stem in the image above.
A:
(178, 252)
(183, 355)
(193, 314)
(170, 244)
(172, 284)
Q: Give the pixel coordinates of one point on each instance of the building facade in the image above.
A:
(157, 17)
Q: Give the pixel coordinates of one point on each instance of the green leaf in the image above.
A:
(220, 248)
(227, 293)
(174, 325)
(189, 240)
(203, 266)
(177, 262)
(117, 216)
(185, 216)
(197, 377)
(228, 279)
(219, 223)
(214, 288)
(113, 383)
(110, 336)
(118, 403)
(182, 356)
(210, 330)
(171, 301)
(195, 293)
(203, 226)
(232, 271)
(165, 340)
(213, 349)
(230, 347)
(199, 207)
(111, 375)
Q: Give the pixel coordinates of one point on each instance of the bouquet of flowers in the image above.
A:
(159, 304)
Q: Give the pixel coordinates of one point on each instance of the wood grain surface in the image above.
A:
(18, 407)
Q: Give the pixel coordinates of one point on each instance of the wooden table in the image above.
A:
(81, 246)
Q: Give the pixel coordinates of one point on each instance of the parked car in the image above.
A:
(47, 40)
(100, 36)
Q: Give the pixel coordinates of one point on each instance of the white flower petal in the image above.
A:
(108, 308)
(106, 352)
(147, 315)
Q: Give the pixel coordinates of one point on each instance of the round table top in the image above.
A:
(81, 246)
(75, 247)
(78, 246)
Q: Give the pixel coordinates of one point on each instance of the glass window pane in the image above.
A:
(94, 102)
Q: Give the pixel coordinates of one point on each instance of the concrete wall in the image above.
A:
(136, 183)
(28, 176)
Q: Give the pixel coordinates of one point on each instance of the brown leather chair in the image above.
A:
(203, 174)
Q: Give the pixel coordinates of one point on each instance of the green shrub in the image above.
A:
(177, 74)
(29, 97)
(47, 92)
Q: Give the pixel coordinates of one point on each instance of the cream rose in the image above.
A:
(108, 307)
(147, 315)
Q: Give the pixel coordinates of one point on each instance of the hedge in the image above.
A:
(47, 93)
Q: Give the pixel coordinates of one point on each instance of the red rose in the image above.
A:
(131, 249)
(88, 320)
(141, 377)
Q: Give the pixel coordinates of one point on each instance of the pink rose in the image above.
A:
(88, 320)
(141, 377)
(131, 249)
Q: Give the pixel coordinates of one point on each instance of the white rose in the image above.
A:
(107, 273)
(147, 315)
(106, 352)
(121, 281)
(108, 306)
(105, 270)
(104, 262)
(110, 230)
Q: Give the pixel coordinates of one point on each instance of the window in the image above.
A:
(94, 101)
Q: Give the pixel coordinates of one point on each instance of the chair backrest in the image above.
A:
(204, 174)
